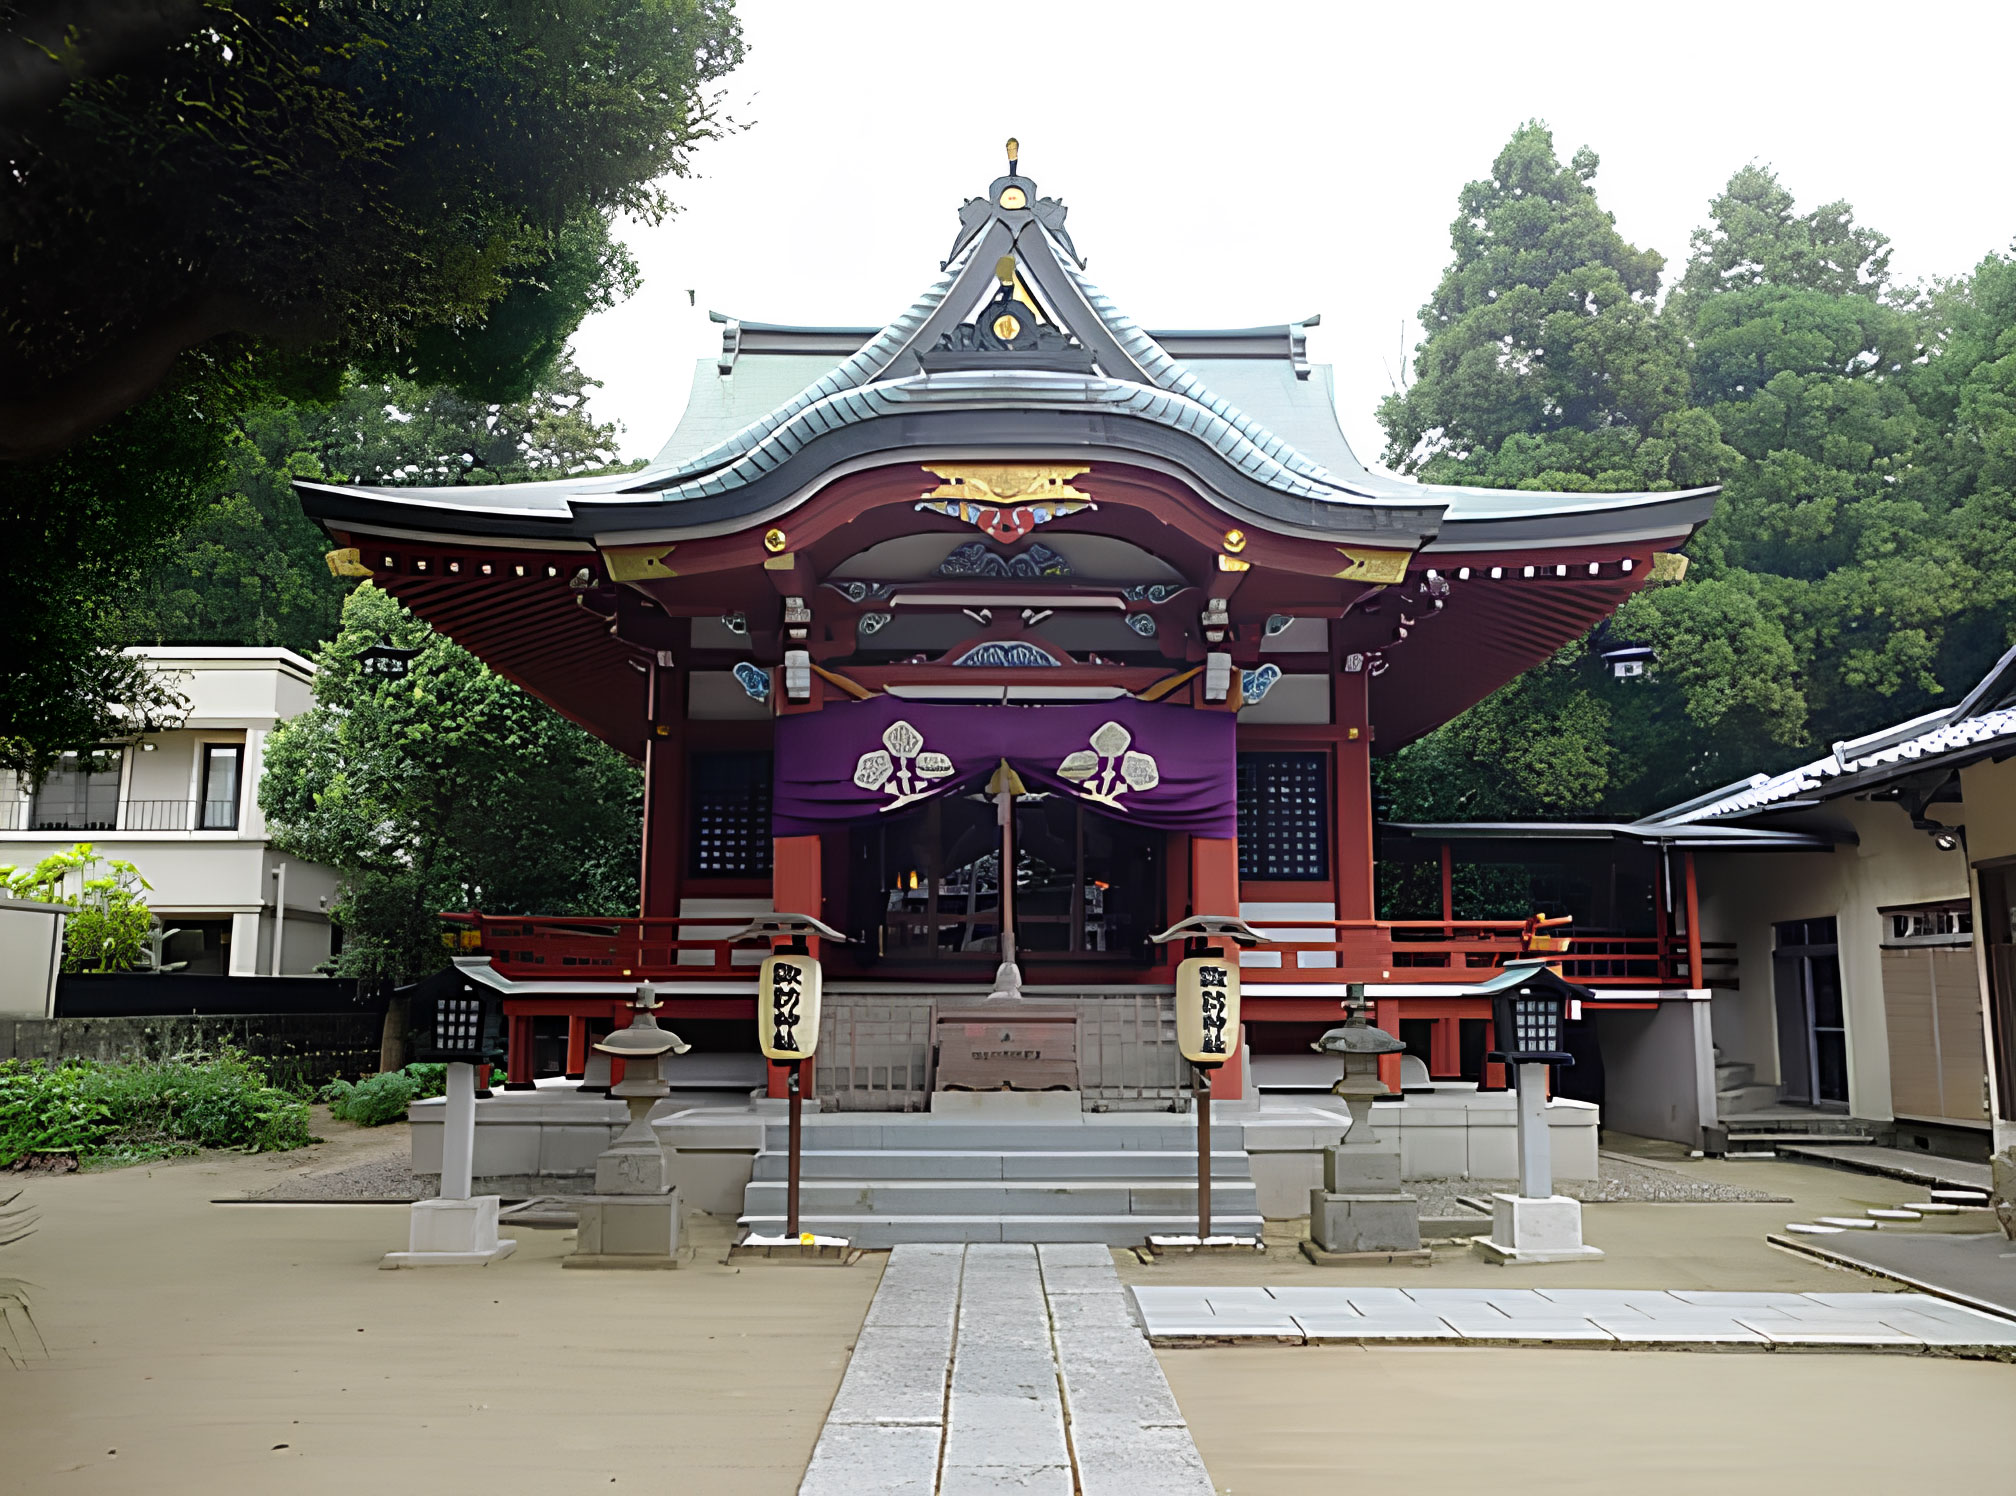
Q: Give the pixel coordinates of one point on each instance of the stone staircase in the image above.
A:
(1737, 1089)
(1760, 1134)
(889, 1179)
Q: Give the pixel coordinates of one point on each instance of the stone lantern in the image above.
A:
(632, 1219)
(1360, 1213)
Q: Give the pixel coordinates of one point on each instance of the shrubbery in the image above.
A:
(132, 1112)
(378, 1099)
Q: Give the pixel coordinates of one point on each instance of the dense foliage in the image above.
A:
(109, 925)
(448, 789)
(378, 1099)
(132, 1112)
(248, 569)
(214, 204)
(1858, 569)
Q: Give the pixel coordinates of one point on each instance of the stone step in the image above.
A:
(1736, 1100)
(1116, 1230)
(947, 1163)
(1809, 1139)
(1175, 1135)
(1882, 1213)
(1812, 1125)
(1007, 1197)
(1960, 1197)
(1729, 1077)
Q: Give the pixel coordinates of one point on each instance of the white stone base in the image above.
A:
(452, 1233)
(1008, 1106)
(1535, 1230)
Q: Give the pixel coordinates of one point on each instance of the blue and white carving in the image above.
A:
(978, 559)
(901, 768)
(1110, 768)
(1142, 624)
(1254, 684)
(871, 623)
(735, 623)
(1153, 592)
(863, 592)
(1277, 624)
(755, 680)
(1010, 654)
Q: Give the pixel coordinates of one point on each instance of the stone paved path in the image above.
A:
(999, 1367)
(1647, 1317)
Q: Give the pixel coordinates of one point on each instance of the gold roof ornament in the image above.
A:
(1370, 565)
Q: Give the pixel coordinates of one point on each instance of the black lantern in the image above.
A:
(1530, 1004)
(455, 1019)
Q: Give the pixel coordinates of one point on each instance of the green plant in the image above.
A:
(108, 929)
(107, 1114)
(382, 1098)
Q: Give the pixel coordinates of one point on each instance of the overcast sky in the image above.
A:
(1233, 164)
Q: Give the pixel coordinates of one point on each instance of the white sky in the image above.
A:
(1234, 164)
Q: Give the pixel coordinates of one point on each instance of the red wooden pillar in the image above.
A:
(1351, 797)
(1695, 978)
(577, 1046)
(1448, 885)
(1386, 1015)
(664, 851)
(1662, 927)
(518, 1075)
(1214, 889)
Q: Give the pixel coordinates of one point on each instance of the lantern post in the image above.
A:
(788, 990)
(1207, 1032)
(459, 1023)
(1531, 1004)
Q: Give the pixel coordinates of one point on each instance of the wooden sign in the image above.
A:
(1015, 1051)
(787, 1007)
(1207, 1009)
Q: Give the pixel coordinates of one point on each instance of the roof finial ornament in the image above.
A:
(1014, 155)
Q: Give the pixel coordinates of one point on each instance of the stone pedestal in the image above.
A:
(1529, 1229)
(1361, 1212)
(633, 1167)
(452, 1233)
(627, 1231)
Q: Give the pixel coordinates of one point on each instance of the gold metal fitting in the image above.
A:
(774, 541)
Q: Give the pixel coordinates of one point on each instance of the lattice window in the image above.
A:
(1284, 803)
(728, 828)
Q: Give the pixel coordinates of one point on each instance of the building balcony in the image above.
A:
(527, 948)
(129, 815)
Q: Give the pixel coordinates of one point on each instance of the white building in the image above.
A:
(183, 807)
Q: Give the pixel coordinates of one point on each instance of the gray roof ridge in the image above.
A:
(1999, 685)
(1169, 374)
(859, 369)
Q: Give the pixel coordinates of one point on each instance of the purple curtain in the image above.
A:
(1169, 767)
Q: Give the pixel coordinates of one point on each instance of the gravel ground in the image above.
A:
(384, 1178)
(1619, 1179)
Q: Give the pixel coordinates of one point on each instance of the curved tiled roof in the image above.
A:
(1858, 762)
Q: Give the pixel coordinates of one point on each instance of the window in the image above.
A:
(81, 792)
(1284, 802)
(1929, 924)
(218, 807)
(728, 826)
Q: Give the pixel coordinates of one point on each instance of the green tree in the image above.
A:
(1545, 363)
(109, 925)
(249, 568)
(211, 204)
(449, 789)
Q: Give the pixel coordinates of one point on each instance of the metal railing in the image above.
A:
(131, 815)
(666, 949)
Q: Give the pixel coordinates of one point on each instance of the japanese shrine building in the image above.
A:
(1143, 569)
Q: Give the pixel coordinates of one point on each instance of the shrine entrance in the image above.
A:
(926, 886)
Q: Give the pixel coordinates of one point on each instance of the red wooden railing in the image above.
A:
(530, 948)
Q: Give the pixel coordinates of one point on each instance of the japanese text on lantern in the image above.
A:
(789, 1007)
(1207, 1009)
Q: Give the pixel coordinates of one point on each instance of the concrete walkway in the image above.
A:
(998, 1367)
(1649, 1317)
(1895, 1163)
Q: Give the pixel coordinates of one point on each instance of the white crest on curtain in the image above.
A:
(901, 768)
(1110, 767)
